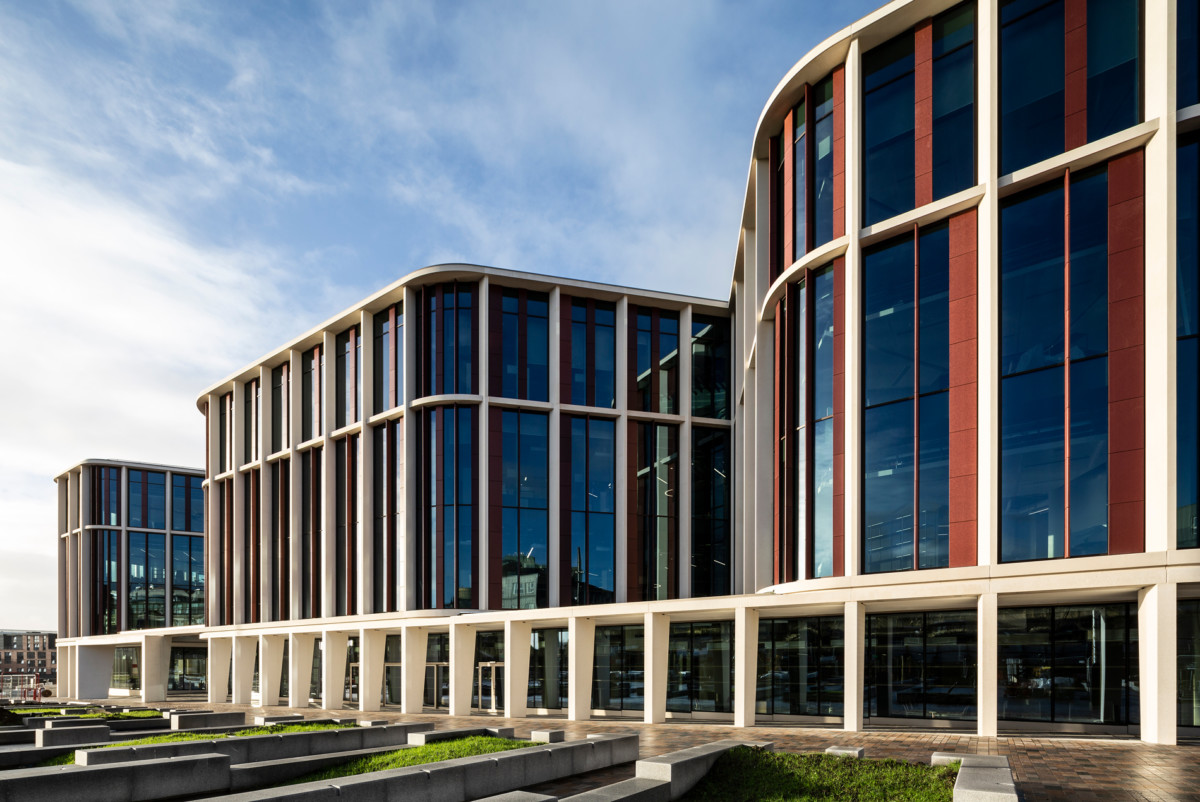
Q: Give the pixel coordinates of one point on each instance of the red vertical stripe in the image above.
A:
(923, 61)
(1075, 58)
(789, 196)
(839, 152)
(839, 405)
(1127, 357)
(964, 395)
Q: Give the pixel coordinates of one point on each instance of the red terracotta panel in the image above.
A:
(1126, 374)
(1075, 54)
(963, 407)
(1125, 178)
(963, 544)
(923, 58)
(923, 119)
(962, 236)
(1125, 275)
(963, 363)
(1127, 527)
(1127, 476)
(1125, 323)
(962, 276)
(1074, 14)
(963, 490)
(962, 319)
(1125, 225)
(964, 452)
(1127, 425)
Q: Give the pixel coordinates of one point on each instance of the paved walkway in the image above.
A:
(1045, 767)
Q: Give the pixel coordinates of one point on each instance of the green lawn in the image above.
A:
(753, 775)
(415, 756)
(179, 737)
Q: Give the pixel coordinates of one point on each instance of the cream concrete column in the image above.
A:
(270, 668)
(852, 458)
(760, 393)
(581, 646)
(300, 660)
(333, 669)
(987, 663)
(84, 620)
(220, 650)
(516, 668)
(328, 489)
(93, 671)
(684, 520)
(240, 575)
(407, 570)
(243, 668)
(267, 558)
(554, 449)
(63, 687)
(988, 288)
(481, 437)
(462, 668)
(414, 643)
(1158, 619)
(295, 495)
(855, 628)
(657, 634)
(371, 645)
(156, 665)
(745, 665)
(1159, 251)
(621, 455)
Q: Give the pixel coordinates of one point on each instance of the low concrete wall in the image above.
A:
(685, 768)
(72, 736)
(39, 722)
(187, 721)
(433, 736)
(120, 782)
(17, 736)
(981, 778)
(638, 789)
(138, 724)
(268, 773)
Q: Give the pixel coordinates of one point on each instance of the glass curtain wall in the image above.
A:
(311, 533)
(1075, 664)
(590, 454)
(1187, 49)
(953, 100)
(593, 354)
(388, 357)
(187, 580)
(816, 470)
(280, 396)
(312, 369)
(618, 669)
(393, 669)
(889, 149)
(386, 497)
(711, 556)
(655, 385)
(447, 492)
(106, 496)
(657, 509)
(348, 377)
(126, 668)
(710, 367)
(700, 668)
(106, 556)
(147, 499)
(522, 367)
(147, 580)
(922, 665)
(1187, 344)
(187, 503)
(487, 689)
(801, 666)
(345, 515)
(549, 677)
(1188, 657)
(525, 500)
(447, 344)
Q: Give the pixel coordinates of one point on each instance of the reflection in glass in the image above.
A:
(1031, 82)
(801, 669)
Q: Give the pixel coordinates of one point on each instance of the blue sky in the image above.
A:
(184, 186)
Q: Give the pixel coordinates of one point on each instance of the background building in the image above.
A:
(934, 460)
(27, 657)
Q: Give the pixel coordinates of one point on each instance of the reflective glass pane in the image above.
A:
(1089, 265)
(888, 488)
(934, 294)
(1031, 466)
(1031, 82)
(888, 130)
(1031, 281)
(1089, 457)
(1187, 438)
(1025, 655)
(933, 512)
(953, 100)
(1187, 27)
(888, 292)
(1113, 72)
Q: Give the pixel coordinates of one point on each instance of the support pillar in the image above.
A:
(219, 652)
(414, 644)
(156, 665)
(462, 668)
(987, 662)
(1158, 644)
(333, 669)
(243, 668)
(300, 660)
(516, 668)
(372, 644)
(581, 646)
(270, 668)
(93, 670)
(745, 665)
(855, 623)
(657, 636)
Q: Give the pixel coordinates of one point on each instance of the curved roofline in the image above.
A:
(451, 270)
(126, 463)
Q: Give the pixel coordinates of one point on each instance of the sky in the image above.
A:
(186, 186)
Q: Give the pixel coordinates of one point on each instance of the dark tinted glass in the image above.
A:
(1031, 82)
(888, 322)
(935, 309)
(800, 185)
(822, 534)
(953, 100)
(1031, 283)
(823, 358)
(1113, 72)
(711, 558)
(1026, 664)
(823, 169)
(537, 348)
(888, 126)
(606, 357)
(1188, 672)
(1089, 265)
(888, 488)
(1031, 466)
(1187, 238)
(933, 537)
(1089, 457)
(1187, 484)
(1187, 27)
(710, 366)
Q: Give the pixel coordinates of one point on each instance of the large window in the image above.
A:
(590, 457)
(592, 349)
(348, 379)
(822, 190)
(387, 496)
(710, 366)
(106, 559)
(618, 669)
(700, 668)
(801, 666)
(147, 580)
(549, 677)
(447, 494)
(655, 385)
(1187, 50)
(1188, 675)
(1075, 664)
(279, 499)
(1187, 325)
(520, 358)
(345, 542)
(280, 414)
(922, 665)
(812, 165)
(657, 510)
(311, 533)
(525, 502)
(906, 381)
(251, 415)
(147, 499)
(889, 125)
(388, 386)
(712, 541)
(312, 368)
(187, 503)
(187, 580)
(1065, 82)
(953, 160)
(447, 345)
(106, 496)
(1054, 399)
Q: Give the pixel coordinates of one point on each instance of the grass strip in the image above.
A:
(746, 774)
(416, 756)
(182, 737)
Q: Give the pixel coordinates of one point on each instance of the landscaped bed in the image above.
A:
(417, 755)
(178, 737)
(83, 712)
(744, 774)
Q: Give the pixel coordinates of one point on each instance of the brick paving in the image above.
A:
(1046, 768)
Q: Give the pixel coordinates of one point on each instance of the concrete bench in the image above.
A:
(17, 736)
(433, 736)
(637, 789)
(39, 722)
(520, 796)
(173, 710)
(65, 723)
(845, 751)
(122, 782)
(270, 773)
(981, 778)
(685, 768)
(187, 721)
(548, 736)
(138, 724)
(73, 736)
(266, 721)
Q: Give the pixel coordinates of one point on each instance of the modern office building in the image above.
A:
(131, 580)
(28, 654)
(933, 461)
